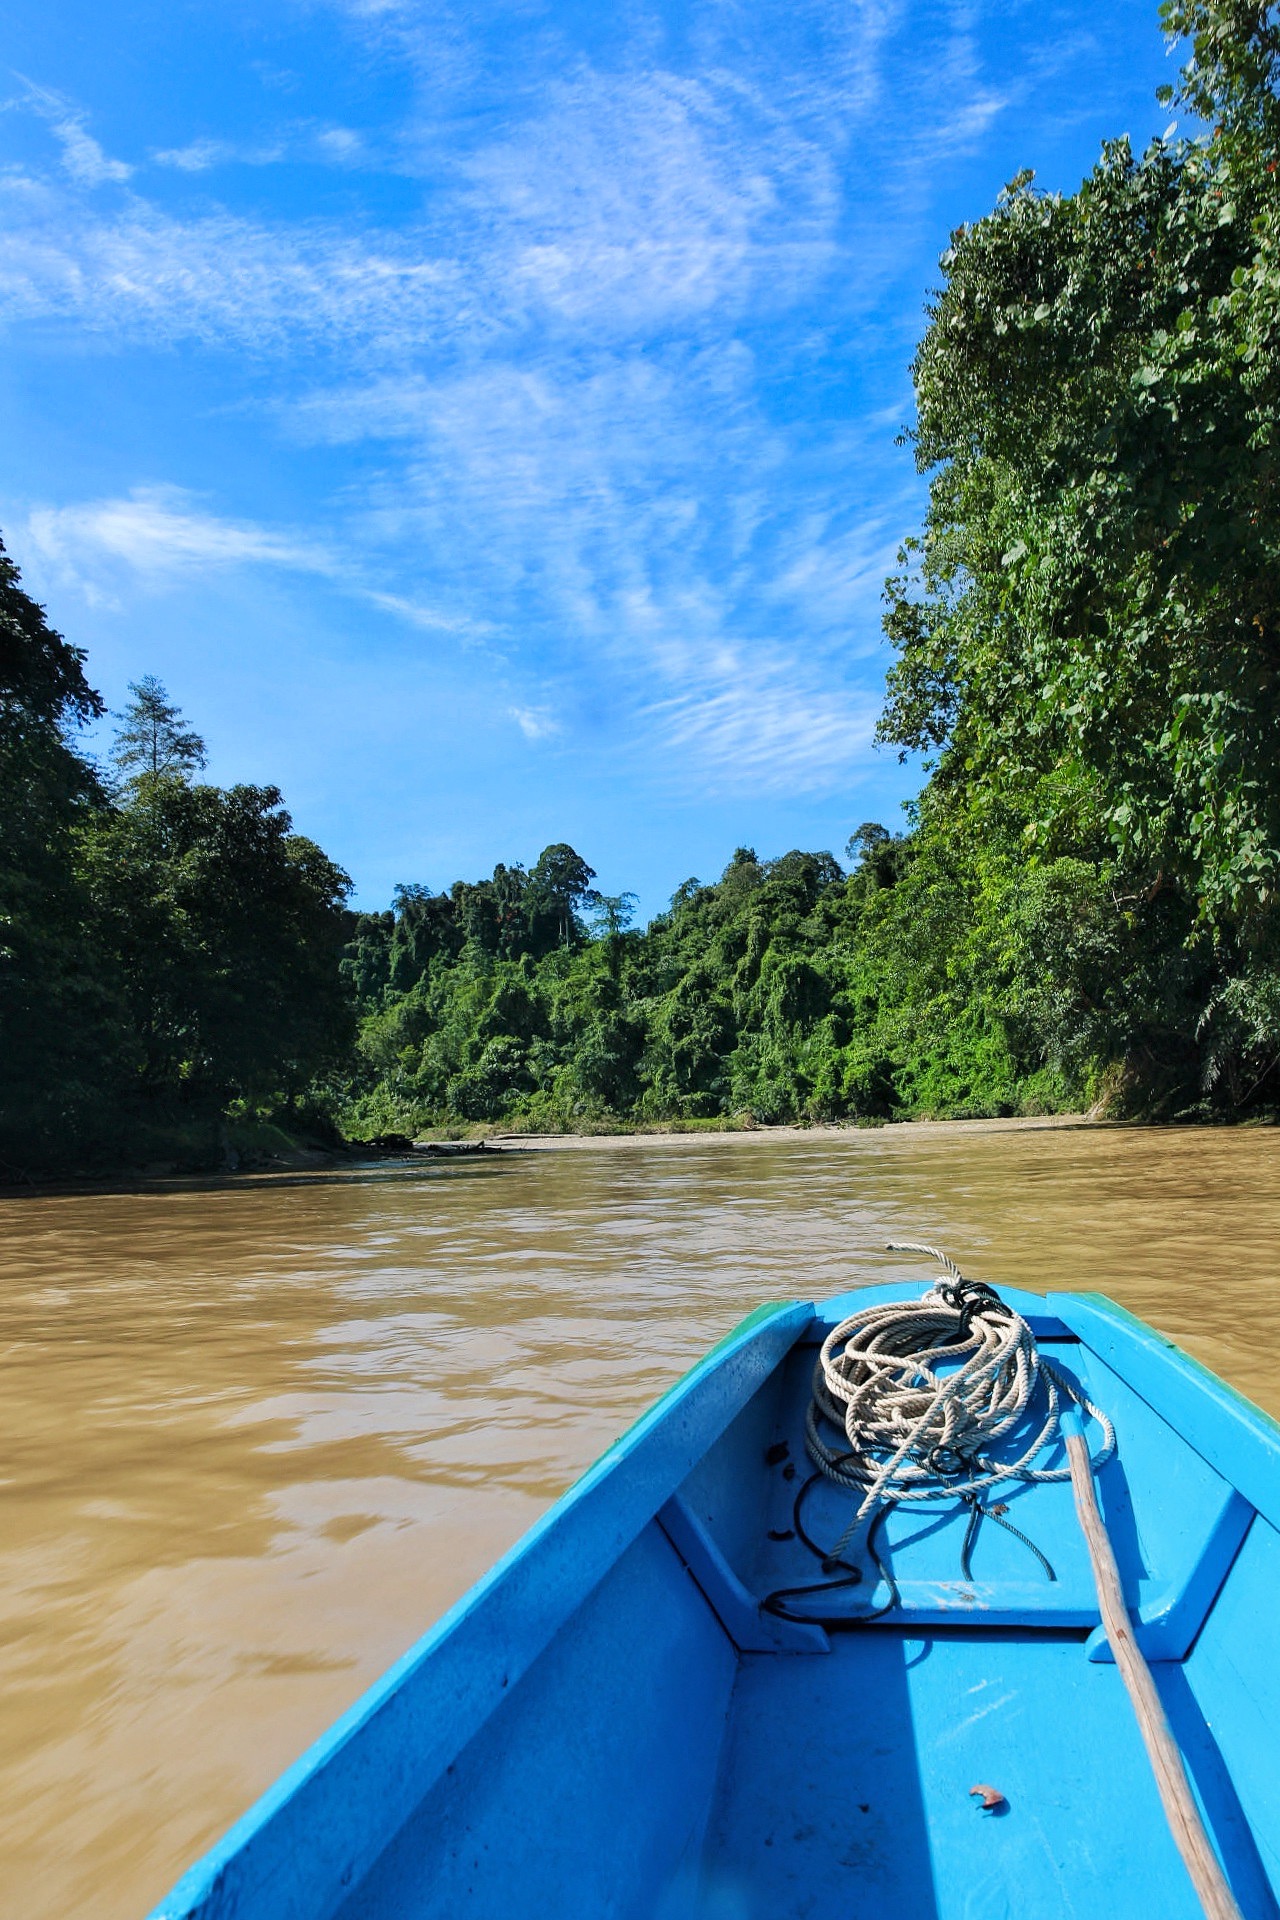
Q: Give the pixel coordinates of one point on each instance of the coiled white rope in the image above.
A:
(910, 1431)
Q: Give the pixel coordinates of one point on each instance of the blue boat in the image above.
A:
(691, 1690)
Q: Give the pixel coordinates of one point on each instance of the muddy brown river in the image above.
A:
(256, 1437)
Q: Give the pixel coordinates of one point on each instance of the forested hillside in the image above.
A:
(1082, 910)
(1087, 635)
(168, 950)
(782, 991)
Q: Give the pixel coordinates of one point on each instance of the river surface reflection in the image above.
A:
(257, 1436)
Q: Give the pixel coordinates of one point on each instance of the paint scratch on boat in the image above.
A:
(980, 1713)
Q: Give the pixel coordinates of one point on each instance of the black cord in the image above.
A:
(819, 1553)
(774, 1603)
(970, 1534)
(1019, 1535)
(977, 1514)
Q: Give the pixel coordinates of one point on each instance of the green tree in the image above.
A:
(152, 738)
(611, 913)
(228, 929)
(559, 883)
(169, 952)
(59, 1047)
(1088, 628)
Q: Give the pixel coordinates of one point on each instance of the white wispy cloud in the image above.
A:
(82, 156)
(144, 274)
(535, 723)
(624, 202)
(631, 200)
(629, 515)
(342, 145)
(198, 156)
(330, 146)
(161, 534)
(557, 354)
(767, 728)
(158, 531)
(419, 614)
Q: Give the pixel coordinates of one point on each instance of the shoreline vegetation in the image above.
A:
(1080, 915)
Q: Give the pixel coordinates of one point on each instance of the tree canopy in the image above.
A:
(1086, 907)
(1088, 626)
(1082, 910)
(168, 952)
(152, 739)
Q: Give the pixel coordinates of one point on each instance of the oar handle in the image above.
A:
(1180, 1808)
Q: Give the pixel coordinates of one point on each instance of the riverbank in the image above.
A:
(679, 1135)
(281, 1154)
(273, 1153)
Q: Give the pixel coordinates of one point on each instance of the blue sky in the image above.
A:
(483, 418)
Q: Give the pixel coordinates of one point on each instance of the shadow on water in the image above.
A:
(360, 1173)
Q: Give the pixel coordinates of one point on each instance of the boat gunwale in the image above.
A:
(281, 1858)
(655, 1454)
(1219, 1423)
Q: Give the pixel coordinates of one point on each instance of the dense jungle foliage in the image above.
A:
(783, 991)
(169, 951)
(1087, 635)
(1084, 909)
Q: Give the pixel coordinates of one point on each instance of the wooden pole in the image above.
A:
(1181, 1811)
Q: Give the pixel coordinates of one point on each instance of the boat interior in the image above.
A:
(673, 1750)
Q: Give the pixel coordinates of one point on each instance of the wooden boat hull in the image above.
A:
(608, 1724)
